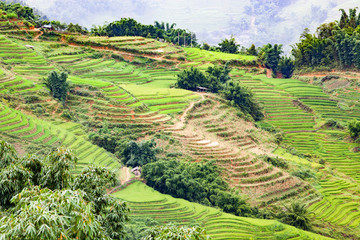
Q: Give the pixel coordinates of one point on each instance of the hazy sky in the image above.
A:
(250, 21)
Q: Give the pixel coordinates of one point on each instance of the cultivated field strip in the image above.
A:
(146, 202)
(17, 124)
(23, 59)
(235, 151)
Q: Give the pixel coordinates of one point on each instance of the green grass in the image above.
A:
(147, 202)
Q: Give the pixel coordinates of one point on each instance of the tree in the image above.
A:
(56, 174)
(138, 154)
(270, 56)
(286, 67)
(229, 45)
(297, 215)
(174, 232)
(58, 85)
(354, 128)
(191, 79)
(243, 98)
(252, 50)
(41, 214)
(42, 200)
(213, 80)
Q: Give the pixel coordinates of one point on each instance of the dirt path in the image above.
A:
(40, 34)
(181, 123)
(125, 176)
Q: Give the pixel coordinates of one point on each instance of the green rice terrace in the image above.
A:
(125, 87)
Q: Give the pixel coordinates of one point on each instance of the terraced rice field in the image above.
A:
(19, 125)
(219, 135)
(340, 202)
(132, 44)
(197, 55)
(339, 206)
(23, 59)
(146, 202)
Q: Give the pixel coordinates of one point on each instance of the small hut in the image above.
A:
(202, 89)
(136, 171)
(47, 27)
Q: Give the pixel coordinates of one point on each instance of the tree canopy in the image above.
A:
(58, 85)
(229, 45)
(335, 44)
(41, 199)
(214, 78)
(243, 98)
(130, 27)
(138, 154)
(194, 182)
(269, 56)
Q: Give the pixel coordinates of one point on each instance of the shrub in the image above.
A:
(277, 162)
(286, 67)
(243, 98)
(354, 128)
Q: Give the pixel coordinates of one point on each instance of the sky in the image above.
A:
(249, 21)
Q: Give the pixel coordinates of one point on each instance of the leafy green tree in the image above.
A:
(229, 45)
(39, 204)
(213, 80)
(58, 85)
(191, 79)
(57, 172)
(243, 98)
(286, 67)
(45, 214)
(8, 154)
(94, 181)
(354, 128)
(297, 215)
(138, 154)
(252, 50)
(269, 56)
(205, 46)
(174, 232)
(194, 182)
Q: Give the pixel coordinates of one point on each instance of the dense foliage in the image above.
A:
(243, 98)
(19, 11)
(286, 67)
(213, 79)
(130, 27)
(336, 44)
(175, 233)
(229, 45)
(194, 182)
(354, 128)
(41, 199)
(296, 215)
(269, 56)
(57, 84)
(138, 154)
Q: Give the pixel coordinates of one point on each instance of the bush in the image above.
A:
(138, 154)
(286, 67)
(243, 98)
(303, 174)
(194, 182)
(277, 162)
(12, 15)
(354, 128)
